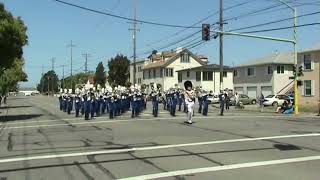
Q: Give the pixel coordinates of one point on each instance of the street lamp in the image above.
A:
(295, 43)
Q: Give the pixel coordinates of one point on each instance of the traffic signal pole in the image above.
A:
(294, 42)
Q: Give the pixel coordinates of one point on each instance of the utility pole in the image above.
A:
(319, 90)
(48, 85)
(86, 55)
(63, 86)
(42, 79)
(221, 44)
(71, 45)
(134, 42)
(52, 63)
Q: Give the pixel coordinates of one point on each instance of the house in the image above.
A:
(161, 69)
(309, 91)
(207, 76)
(139, 73)
(267, 75)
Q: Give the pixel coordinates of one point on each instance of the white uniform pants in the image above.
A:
(190, 106)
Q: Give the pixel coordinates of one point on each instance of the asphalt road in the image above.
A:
(40, 142)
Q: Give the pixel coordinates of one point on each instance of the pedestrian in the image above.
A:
(261, 101)
(236, 98)
(189, 99)
(199, 94)
(60, 102)
(222, 102)
(227, 101)
(205, 104)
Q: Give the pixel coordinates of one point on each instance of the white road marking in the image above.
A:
(223, 168)
(152, 148)
(122, 119)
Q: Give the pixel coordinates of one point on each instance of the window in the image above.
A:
(235, 73)
(139, 69)
(179, 77)
(307, 61)
(188, 73)
(207, 76)
(198, 76)
(139, 80)
(143, 76)
(161, 72)
(154, 73)
(250, 72)
(280, 69)
(185, 58)
(269, 70)
(225, 74)
(308, 88)
(149, 74)
(169, 72)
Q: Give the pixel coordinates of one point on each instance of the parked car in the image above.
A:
(276, 100)
(244, 99)
(213, 99)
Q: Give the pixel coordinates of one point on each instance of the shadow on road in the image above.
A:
(19, 117)
(14, 107)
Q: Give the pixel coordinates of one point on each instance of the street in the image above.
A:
(40, 142)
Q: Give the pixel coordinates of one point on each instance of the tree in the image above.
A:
(12, 38)
(49, 83)
(11, 76)
(77, 79)
(118, 70)
(100, 75)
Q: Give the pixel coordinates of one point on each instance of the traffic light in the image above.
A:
(300, 72)
(294, 70)
(206, 32)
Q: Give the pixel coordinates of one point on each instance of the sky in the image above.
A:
(52, 26)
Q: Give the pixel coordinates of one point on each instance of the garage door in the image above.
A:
(252, 92)
(239, 90)
(266, 90)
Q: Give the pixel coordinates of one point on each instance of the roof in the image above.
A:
(276, 58)
(139, 61)
(164, 63)
(164, 54)
(314, 48)
(207, 67)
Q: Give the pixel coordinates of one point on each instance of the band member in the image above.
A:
(155, 102)
(189, 99)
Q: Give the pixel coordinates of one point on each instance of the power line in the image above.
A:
(277, 21)
(125, 18)
(202, 20)
(233, 18)
(281, 28)
(195, 33)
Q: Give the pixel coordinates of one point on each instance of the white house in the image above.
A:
(162, 67)
(208, 77)
(267, 75)
(139, 72)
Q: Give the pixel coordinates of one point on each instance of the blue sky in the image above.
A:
(51, 27)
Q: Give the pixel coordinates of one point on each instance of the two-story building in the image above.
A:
(309, 91)
(267, 75)
(208, 77)
(162, 67)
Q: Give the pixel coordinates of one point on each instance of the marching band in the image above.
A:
(119, 100)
